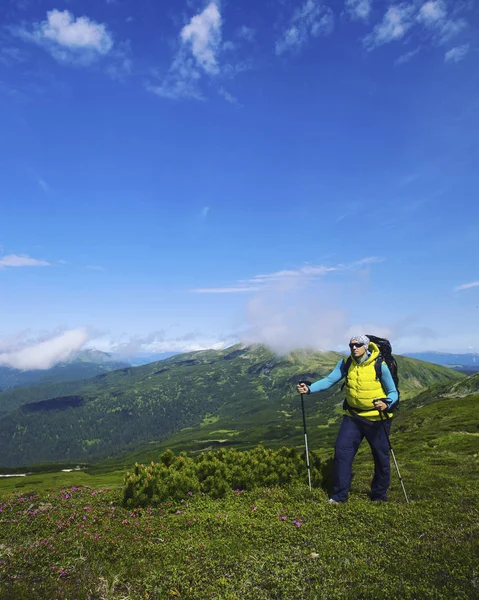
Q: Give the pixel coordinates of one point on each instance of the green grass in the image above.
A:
(74, 544)
(58, 542)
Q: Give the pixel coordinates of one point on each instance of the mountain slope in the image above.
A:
(242, 393)
(462, 388)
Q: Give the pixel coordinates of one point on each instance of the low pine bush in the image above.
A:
(216, 473)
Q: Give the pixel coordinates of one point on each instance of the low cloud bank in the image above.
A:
(24, 354)
(318, 317)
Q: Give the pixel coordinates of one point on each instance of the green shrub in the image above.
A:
(215, 473)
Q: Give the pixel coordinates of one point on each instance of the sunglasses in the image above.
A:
(356, 346)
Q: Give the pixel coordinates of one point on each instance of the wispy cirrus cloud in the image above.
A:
(246, 33)
(226, 290)
(21, 260)
(466, 286)
(228, 97)
(456, 54)
(358, 10)
(395, 24)
(69, 39)
(433, 17)
(308, 272)
(312, 19)
(406, 57)
(11, 56)
(44, 186)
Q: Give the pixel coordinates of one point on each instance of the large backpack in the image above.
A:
(385, 355)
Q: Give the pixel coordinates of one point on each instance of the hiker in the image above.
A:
(366, 396)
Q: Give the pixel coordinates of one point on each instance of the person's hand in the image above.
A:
(380, 405)
(302, 388)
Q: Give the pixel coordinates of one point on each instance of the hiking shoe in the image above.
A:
(332, 501)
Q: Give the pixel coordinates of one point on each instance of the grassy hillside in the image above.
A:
(61, 541)
(241, 395)
(458, 389)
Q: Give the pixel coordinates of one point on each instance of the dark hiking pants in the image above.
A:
(350, 435)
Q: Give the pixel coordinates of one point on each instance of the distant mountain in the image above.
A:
(468, 363)
(241, 395)
(84, 365)
(145, 359)
(97, 357)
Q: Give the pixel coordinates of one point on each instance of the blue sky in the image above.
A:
(181, 175)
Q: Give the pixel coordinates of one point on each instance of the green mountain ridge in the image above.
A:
(241, 396)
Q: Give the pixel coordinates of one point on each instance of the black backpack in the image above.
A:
(385, 355)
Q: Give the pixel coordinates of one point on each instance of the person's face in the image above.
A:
(358, 350)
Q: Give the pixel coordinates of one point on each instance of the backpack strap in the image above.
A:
(345, 370)
(378, 366)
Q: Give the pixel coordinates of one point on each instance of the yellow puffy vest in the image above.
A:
(362, 387)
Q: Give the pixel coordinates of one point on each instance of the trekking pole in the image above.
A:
(308, 383)
(392, 454)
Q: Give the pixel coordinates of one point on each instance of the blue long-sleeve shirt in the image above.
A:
(338, 373)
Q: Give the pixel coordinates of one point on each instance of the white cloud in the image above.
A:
(358, 9)
(467, 286)
(204, 211)
(21, 260)
(200, 42)
(433, 15)
(309, 313)
(396, 22)
(157, 343)
(44, 354)
(295, 319)
(431, 12)
(70, 39)
(312, 19)
(203, 33)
